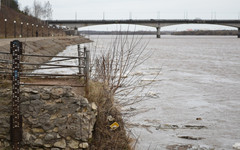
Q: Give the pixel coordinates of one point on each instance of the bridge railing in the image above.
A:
(140, 20)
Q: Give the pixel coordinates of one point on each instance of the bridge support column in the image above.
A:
(158, 32)
(238, 32)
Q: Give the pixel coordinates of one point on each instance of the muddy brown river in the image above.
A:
(194, 100)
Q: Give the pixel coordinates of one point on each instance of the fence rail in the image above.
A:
(32, 84)
(18, 72)
(32, 55)
(5, 53)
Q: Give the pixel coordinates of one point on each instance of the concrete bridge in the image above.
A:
(156, 23)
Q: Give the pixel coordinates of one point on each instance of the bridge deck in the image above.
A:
(144, 21)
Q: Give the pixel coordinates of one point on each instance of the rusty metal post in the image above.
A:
(16, 118)
(79, 60)
(87, 64)
(85, 60)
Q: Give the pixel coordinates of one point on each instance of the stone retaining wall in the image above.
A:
(53, 118)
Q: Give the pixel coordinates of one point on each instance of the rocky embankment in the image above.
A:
(56, 118)
(53, 118)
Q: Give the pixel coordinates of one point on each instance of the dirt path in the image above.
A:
(41, 46)
(45, 46)
(32, 39)
(59, 82)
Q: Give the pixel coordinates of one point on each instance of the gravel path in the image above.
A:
(7, 41)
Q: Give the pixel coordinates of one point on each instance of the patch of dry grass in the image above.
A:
(104, 137)
(5, 96)
(4, 83)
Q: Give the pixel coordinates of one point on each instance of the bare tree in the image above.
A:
(47, 10)
(37, 9)
(27, 10)
(114, 65)
(42, 11)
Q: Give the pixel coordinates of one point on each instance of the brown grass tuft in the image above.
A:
(5, 83)
(104, 137)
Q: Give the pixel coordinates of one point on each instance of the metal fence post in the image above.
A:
(85, 59)
(79, 60)
(16, 118)
(87, 62)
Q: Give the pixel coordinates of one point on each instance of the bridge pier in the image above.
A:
(158, 32)
(238, 32)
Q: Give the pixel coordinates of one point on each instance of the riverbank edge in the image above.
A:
(103, 136)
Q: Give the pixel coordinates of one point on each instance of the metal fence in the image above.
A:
(14, 68)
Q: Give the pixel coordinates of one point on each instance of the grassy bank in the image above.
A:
(103, 137)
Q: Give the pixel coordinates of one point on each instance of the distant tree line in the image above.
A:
(39, 9)
(207, 32)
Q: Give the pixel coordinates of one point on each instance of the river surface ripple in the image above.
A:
(198, 84)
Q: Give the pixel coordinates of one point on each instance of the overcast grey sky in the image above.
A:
(145, 9)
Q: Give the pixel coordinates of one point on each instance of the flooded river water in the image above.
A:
(196, 97)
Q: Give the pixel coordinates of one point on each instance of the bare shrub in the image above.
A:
(42, 11)
(113, 65)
